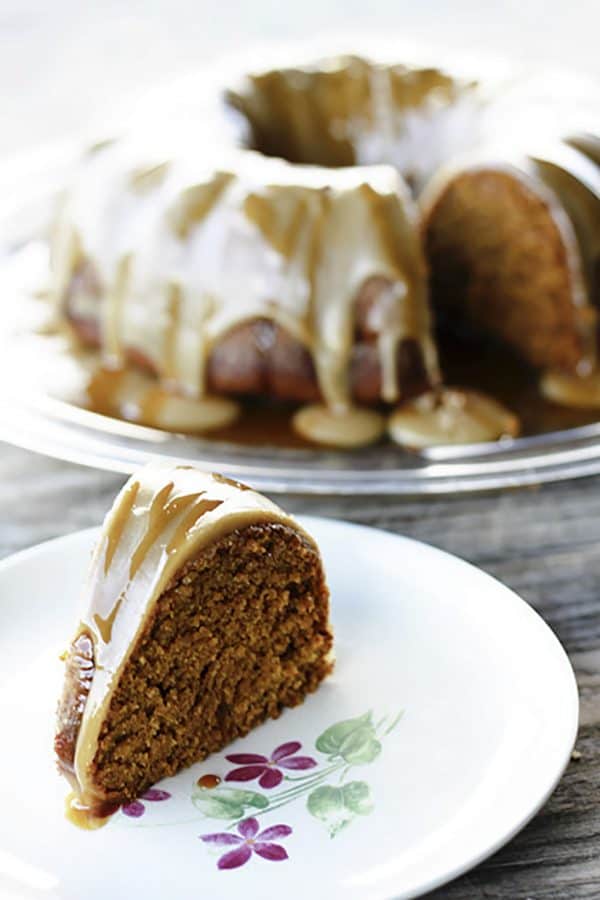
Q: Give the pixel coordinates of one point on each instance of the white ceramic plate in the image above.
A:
(458, 711)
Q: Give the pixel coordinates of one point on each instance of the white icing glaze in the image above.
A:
(417, 139)
(451, 416)
(136, 397)
(572, 390)
(356, 427)
(161, 518)
(183, 260)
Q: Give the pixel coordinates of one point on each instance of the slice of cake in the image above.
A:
(507, 261)
(207, 612)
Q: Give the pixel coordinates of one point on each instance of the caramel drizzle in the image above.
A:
(146, 179)
(113, 307)
(294, 231)
(152, 402)
(314, 250)
(196, 203)
(66, 254)
(188, 521)
(105, 626)
(102, 389)
(119, 522)
(222, 479)
(88, 817)
(173, 314)
(160, 513)
(281, 231)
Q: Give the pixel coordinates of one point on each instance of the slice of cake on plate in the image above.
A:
(207, 612)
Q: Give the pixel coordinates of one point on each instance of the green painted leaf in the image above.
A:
(357, 797)
(326, 803)
(360, 746)
(227, 803)
(333, 737)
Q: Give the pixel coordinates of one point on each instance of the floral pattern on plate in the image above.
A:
(248, 841)
(322, 781)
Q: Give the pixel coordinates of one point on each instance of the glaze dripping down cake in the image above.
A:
(299, 255)
(207, 613)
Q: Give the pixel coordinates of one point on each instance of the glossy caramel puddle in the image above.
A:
(496, 371)
(466, 363)
(77, 377)
(86, 817)
(261, 422)
(208, 782)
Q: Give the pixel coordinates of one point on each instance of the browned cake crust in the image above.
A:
(239, 634)
(259, 358)
(499, 264)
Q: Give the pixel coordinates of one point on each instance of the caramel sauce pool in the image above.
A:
(261, 422)
(465, 363)
(494, 370)
(87, 817)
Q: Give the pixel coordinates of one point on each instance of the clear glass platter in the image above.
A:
(33, 418)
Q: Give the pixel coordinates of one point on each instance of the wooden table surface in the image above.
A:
(542, 542)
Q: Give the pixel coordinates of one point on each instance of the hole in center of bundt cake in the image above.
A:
(322, 114)
(240, 634)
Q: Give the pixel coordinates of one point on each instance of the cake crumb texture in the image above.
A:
(499, 265)
(239, 634)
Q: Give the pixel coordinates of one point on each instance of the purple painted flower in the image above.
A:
(136, 808)
(268, 769)
(247, 842)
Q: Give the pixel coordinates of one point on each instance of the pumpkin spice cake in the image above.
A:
(207, 613)
(304, 253)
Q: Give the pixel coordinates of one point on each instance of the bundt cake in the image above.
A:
(289, 260)
(206, 613)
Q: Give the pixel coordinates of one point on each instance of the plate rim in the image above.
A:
(516, 463)
(469, 860)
